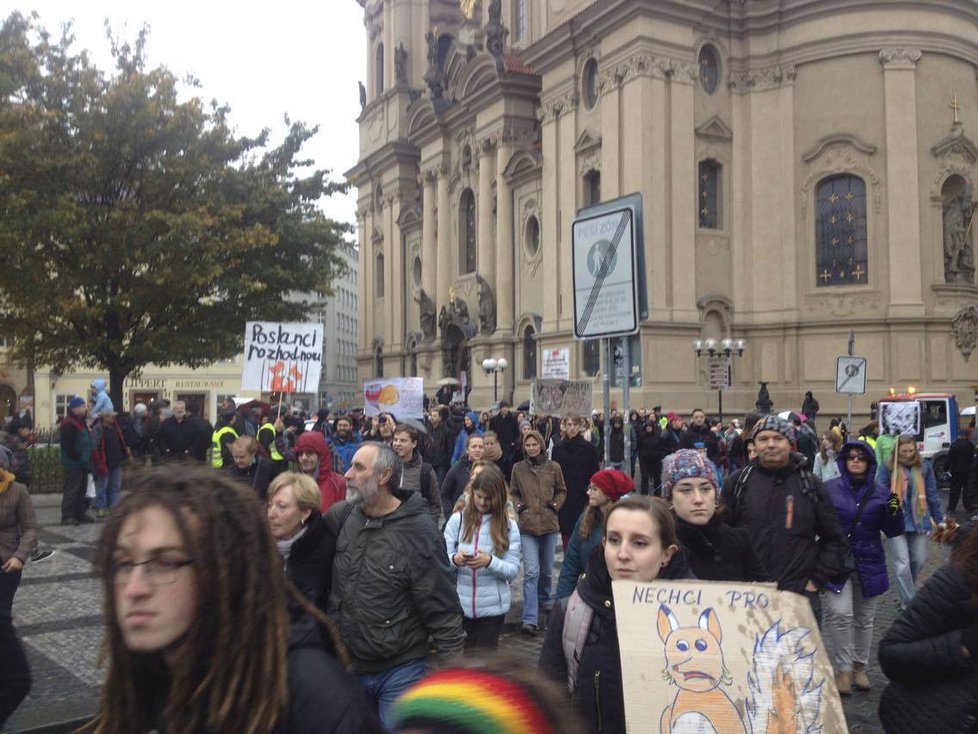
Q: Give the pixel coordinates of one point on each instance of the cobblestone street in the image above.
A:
(58, 614)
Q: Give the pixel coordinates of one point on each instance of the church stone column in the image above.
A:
(549, 220)
(429, 255)
(505, 226)
(683, 193)
(486, 243)
(445, 258)
(902, 180)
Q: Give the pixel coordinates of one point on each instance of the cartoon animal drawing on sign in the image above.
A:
(694, 663)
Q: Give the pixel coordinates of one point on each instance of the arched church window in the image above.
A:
(709, 201)
(709, 63)
(591, 357)
(379, 276)
(529, 354)
(519, 19)
(840, 231)
(592, 188)
(466, 232)
(379, 70)
(589, 83)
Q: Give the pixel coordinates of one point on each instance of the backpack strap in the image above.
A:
(577, 624)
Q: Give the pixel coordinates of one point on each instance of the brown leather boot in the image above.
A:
(843, 681)
(859, 677)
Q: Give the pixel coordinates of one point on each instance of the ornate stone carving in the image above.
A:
(427, 310)
(434, 77)
(956, 145)
(762, 79)
(841, 156)
(847, 306)
(487, 306)
(965, 325)
(714, 129)
(456, 313)
(553, 107)
(957, 217)
(900, 58)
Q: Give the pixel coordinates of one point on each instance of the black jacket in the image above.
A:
(392, 587)
(934, 685)
(323, 697)
(702, 434)
(718, 552)
(454, 484)
(651, 445)
(178, 439)
(578, 461)
(796, 531)
(959, 459)
(507, 430)
(310, 562)
(257, 476)
(442, 443)
(598, 700)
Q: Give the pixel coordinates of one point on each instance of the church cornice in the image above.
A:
(761, 79)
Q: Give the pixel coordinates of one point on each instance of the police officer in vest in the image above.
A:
(267, 432)
(222, 438)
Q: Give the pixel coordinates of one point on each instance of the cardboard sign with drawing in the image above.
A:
(735, 659)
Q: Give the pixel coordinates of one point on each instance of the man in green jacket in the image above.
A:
(76, 456)
(392, 587)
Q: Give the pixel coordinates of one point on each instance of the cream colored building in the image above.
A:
(805, 167)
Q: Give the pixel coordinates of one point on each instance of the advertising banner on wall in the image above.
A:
(403, 397)
(282, 357)
(555, 364)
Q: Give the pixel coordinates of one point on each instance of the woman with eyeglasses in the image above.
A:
(911, 478)
(198, 636)
(865, 509)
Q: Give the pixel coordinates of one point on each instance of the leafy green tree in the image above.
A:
(136, 228)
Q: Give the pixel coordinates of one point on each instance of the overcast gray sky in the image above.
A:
(301, 57)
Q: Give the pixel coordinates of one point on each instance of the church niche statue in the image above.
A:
(427, 309)
(496, 32)
(363, 96)
(400, 65)
(434, 76)
(487, 306)
(958, 217)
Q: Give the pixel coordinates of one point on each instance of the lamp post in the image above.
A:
(724, 349)
(495, 366)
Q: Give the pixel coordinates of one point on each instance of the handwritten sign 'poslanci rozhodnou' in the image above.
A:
(702, 656)
(282, 357)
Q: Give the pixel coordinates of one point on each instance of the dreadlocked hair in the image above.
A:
(490, 481)
(232, 675)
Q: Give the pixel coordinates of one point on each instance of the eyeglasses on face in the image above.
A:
(158, 571)
(857, 457)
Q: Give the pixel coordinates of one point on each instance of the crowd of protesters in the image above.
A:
(363, 553)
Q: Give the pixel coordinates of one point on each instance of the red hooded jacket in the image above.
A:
(332, 486)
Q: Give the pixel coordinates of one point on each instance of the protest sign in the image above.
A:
(723, 657)
(560, 397)
(282, 357)
(899, 418)
(555, 363)
(403, 397)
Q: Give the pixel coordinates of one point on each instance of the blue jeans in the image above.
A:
(908, 551)
(538, 572)
(385, 687)
(108, 488)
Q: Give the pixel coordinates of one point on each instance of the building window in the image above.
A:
(529, 354)
(378, 362)
(519, 19)
(589, 83)
(379, 69)
(466, 231)
(61, 405)
(379, 276)
(709, 201)
(592, 188)
(709, 62)
(840, 231)
(378, 199)
(416, 270)
(591, 357)
(531, 236)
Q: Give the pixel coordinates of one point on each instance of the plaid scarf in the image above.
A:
(909, 486)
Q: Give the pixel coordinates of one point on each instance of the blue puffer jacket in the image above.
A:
(483, 592)
(864, 540)
(576, 555)
(463, 436)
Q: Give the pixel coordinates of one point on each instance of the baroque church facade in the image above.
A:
(806, 167)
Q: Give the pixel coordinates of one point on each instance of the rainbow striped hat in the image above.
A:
(470, 701)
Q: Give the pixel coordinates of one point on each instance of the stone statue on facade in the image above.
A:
(487, 306)
(427, 309)
(400, 65)
(363, 96)
(764, 403)
(433, 77)
(965, 325)
(959, 212)
(496, 32)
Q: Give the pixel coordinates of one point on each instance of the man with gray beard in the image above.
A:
(392, 587)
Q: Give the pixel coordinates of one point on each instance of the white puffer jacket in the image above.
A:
(483, 592)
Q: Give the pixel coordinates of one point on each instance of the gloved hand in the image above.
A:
(969, 638)
(893, 504)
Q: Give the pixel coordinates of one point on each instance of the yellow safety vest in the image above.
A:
(217, 458)
(272, 451)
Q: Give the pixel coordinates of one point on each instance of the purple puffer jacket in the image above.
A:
(864, 539)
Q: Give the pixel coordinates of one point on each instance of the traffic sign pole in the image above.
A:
(626, 386)
(609, 364)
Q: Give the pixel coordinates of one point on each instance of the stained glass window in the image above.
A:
(529, 354)
(709, 188)
(709, 62)
(840, 231)
(467, 255)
